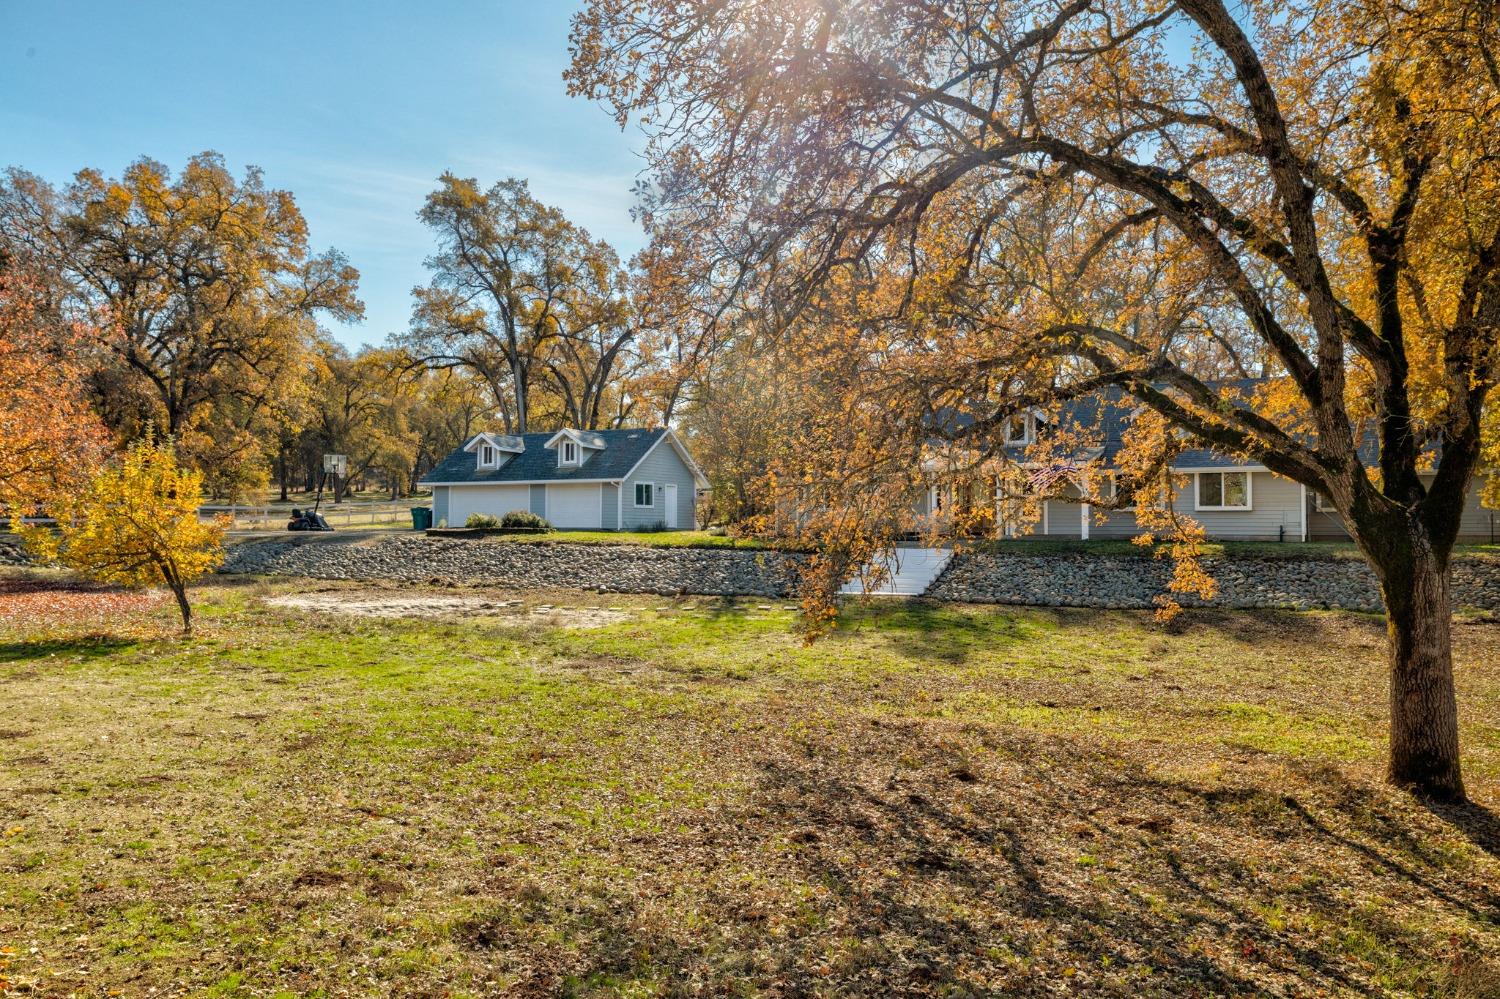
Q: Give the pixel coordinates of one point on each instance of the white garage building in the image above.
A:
(580, 479)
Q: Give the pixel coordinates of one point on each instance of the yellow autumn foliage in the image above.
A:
(135, 524)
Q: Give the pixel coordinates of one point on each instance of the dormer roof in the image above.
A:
(586, 438)
(500, 442)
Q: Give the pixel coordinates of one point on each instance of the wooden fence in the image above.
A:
(274, 518)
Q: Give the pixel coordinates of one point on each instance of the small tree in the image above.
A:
(136, 524)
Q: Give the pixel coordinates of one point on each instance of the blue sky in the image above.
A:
(355, 107)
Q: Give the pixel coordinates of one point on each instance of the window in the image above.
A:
(1223, 491)
(487, 456)
(1323, 504)
(645, 494)
(1018, 429)
(569, 452)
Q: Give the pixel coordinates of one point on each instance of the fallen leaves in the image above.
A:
(32, 604)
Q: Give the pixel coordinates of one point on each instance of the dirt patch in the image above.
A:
(394, 605)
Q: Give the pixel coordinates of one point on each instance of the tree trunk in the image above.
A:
(180, 592)
(520, 379)
(283, 475)
(1424, 708)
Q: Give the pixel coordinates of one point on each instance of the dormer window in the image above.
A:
(1018, 429)
(490, 451)
(575, 447)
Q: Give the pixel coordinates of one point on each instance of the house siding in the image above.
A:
(661, 466)
(538, 501)
(494, 500)
(1476, 524)
(611, 506)
(1274, 515)
(439, 505)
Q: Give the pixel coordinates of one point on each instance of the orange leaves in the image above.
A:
(49, 439)
(33, 605)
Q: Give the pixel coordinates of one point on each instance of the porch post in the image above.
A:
(999, 510)
(1304, 510)
(1084, 528)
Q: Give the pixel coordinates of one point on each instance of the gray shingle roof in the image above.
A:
(1108, 413)
(538, 463)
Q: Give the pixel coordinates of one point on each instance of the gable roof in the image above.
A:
(621, 451)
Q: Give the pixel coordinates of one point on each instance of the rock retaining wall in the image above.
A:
(1123, 581)
(1058, 580)
(606, 568)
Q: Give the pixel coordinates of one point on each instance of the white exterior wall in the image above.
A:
(575, 505)
(494, 500)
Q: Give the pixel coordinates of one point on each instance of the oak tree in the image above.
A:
(204, 284)
(1000, 204)
(521, 296)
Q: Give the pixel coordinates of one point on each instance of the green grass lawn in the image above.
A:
(582, 795)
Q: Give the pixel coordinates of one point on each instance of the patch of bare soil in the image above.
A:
(357, 603)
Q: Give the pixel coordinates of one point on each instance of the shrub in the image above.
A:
(482, 520)
(523, 518)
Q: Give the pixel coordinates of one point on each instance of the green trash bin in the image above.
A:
(421, 518)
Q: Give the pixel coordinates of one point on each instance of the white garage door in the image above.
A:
(574, 506)
(496, 501)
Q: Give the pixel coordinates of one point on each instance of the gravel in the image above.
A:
(1121, 581)
(1052, 580)
(603, 568)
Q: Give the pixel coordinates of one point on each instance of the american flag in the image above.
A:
(1043, 479)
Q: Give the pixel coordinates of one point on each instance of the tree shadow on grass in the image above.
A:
(84, 646)
(1478, 823)
(1099, 865)
(928, 630)
(897, 860)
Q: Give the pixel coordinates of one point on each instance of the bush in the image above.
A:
(523, 518)
(482, 520)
